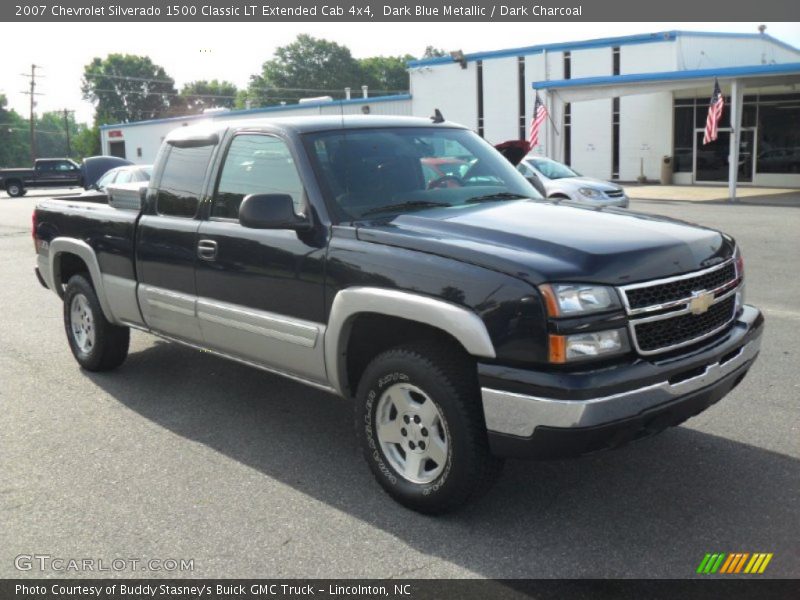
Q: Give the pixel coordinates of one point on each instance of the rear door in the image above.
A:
(260, 292)
(166, 246)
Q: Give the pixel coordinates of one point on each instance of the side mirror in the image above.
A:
(271, 211)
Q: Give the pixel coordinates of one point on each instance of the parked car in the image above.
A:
(465, 323)
(94, 167)
(57, 172)
(120, 175)
(557, 181)
(46, 172)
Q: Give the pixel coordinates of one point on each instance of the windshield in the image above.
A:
(107, 178)
(393, 170)
(552, 169)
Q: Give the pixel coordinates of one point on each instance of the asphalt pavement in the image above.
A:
(182, 455)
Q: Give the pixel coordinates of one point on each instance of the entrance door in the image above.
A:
(117, 149)
(711, 160)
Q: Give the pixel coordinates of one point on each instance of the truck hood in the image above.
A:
(540, 241)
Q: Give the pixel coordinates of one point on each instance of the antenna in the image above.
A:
(437, 116)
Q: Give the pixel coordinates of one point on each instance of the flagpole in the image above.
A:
(553, 123)
(549, 116)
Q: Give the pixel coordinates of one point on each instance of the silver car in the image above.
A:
(557, 181)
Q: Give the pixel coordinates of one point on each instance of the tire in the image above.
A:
(434, 383)
(96, 344)
(15, 189)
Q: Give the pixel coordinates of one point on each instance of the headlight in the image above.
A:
(590, 192)
(568, 299)
(568, 348)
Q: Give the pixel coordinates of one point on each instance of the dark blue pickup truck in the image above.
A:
(467, 318)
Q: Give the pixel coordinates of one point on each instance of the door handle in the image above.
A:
(207, 249)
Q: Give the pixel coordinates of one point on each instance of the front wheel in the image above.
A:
(421, 426)
(96, 343)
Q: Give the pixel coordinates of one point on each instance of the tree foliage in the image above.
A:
(203, 95)
(14, 137)
(50, 129)
(311, 67)
(385, 74)
(125, 87)
(306, 67)
(433, 52)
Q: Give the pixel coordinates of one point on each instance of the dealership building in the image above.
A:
(617, 106)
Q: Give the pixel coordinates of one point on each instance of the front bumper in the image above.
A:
(551, 415)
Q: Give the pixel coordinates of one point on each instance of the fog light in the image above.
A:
(564, 348)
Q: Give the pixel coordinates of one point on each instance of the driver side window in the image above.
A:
(256, 164)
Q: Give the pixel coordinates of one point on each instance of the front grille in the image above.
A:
(665, 333)
(680, 288)
(615, 194)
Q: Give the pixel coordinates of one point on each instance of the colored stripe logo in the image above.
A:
(734, 563)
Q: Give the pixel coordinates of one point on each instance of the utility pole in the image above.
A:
(66, 130)
(32, 93)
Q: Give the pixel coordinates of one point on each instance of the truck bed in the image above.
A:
(107, 230)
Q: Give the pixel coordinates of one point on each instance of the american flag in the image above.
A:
(714, 114)
(539, 115)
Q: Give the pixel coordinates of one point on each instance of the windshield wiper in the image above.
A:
(495, 197)
(403, 206)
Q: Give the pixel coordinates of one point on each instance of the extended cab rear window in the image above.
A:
(182, 181)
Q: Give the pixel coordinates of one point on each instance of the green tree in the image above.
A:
(433, 52)
(87, 142)
(51, 135)
(202, 95)
(125, 87)
(385, 74)
(14, 137)
(306, 67)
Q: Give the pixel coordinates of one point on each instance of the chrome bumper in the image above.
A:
(519, 414)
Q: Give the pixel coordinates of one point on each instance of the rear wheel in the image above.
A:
(15, 189)
(421, 426)
(97, 344)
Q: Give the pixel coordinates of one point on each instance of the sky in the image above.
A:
(234, 51)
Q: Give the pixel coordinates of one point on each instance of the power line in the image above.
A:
(260, 89)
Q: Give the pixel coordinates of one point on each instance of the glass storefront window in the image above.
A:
(684, 131)
(775, 118)
(779, 135)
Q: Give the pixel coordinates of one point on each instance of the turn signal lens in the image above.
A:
(558, 349)
(739, 262)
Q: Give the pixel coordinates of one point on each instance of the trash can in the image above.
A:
(666, 170)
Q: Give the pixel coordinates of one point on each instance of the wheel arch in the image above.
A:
(457, 323)
(63, 251)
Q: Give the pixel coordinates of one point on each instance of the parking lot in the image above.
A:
(181, 455)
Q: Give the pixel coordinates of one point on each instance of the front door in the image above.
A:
(260, 292)
(711, 160)
(166, 245)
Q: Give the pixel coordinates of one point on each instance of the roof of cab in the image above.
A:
(205, 131)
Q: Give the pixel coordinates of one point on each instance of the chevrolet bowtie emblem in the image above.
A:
(700, 302)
